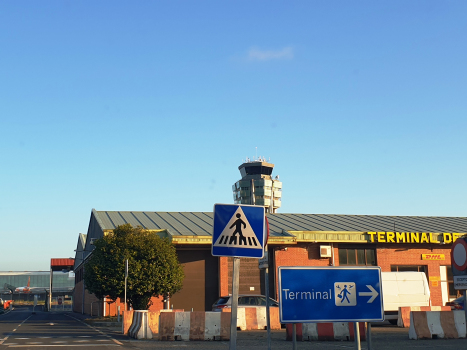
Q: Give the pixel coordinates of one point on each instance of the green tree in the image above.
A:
(154, 269)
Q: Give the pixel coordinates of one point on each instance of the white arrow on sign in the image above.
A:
(373, 294)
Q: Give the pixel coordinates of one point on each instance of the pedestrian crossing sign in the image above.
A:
(238, 231)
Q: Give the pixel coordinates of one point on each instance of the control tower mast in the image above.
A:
(257, 187)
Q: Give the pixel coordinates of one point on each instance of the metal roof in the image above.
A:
(200, 223)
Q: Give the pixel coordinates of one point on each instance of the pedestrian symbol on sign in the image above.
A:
(345, 293)
(238, 224)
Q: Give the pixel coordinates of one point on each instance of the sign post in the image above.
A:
(238, 231)
(331, 294)
(263, 263)
(459, 267)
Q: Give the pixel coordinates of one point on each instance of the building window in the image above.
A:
(357, 256)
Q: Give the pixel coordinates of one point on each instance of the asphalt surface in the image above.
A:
(21, 328)
(45, 330)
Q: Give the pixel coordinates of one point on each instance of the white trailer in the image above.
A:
(403, 289)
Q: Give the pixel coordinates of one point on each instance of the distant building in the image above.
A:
(257, 187)
(11, 282)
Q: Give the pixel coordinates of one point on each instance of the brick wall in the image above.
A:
(223, 276)
(300, 255)
(97, 305)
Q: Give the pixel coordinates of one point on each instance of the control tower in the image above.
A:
(257, 187)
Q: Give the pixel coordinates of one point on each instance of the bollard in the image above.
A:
(118, 313)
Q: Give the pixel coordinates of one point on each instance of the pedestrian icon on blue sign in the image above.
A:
(345, 293)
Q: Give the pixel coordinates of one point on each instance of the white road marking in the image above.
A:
(56, 345)
(102, 333)
(14, 330)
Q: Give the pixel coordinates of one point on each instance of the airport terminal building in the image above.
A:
(395, 243)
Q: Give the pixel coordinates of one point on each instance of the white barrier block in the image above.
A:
(412, 333)
(241, 318)
(433, 319)
(212, 325)
(310, 331)
(261, 318)
(182, 325)
(459, 319)
(341, 330)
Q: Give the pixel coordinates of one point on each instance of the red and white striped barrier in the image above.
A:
(139, 328)
(252, 318)
(437, 324)
(403, 319)
(197, 325)
(326, 331)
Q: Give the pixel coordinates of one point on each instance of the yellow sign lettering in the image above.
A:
(400, 237)
(424, 238)
(381, 238)
(432, 240)
(414, 237)
(447, 237)
(390, 237)
(372, 236)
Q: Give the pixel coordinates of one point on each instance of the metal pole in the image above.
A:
(234, 307)
(266, 282)
(126, 278)
(50, 288)
(84, 289)
(294, 336)
(465, 305)
(356, 333)
(368, 335)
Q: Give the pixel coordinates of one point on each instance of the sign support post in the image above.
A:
(368, 335)
(465, 305)
(356, 333)
(268, 313)
(234, 306)
(294, 336)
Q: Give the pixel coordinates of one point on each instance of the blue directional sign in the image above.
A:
(238, 231)
(330, 294)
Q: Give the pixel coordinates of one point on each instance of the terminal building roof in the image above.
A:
(283, 227)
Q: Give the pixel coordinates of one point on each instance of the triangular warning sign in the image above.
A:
(238, 233)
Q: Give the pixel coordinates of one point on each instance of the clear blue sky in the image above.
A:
(152, 105)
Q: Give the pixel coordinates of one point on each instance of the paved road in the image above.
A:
(20, 328)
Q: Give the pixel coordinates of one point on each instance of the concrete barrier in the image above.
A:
(153, 320)
(197, 325)
(437, 324)
(139, 328)
(252, 318)
(403, 319)
(325, 331)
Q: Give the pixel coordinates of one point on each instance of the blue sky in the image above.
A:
(152, 105)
